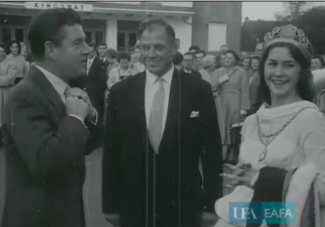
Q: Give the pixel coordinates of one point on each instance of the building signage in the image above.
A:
(53, 5)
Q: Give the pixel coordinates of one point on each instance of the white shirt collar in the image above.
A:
(59, 85)
(152, 78)
(188, 71)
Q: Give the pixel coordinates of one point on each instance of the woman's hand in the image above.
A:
(242, 174)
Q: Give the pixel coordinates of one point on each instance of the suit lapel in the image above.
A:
(138, 100)
(173, 111)
(46, 87)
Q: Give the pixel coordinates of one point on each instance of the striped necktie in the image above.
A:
(156, 116)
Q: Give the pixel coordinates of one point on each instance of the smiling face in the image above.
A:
(255, 64)
(281, 73)
(246, 63)
(230, 60)
(157, 49)
(14, 49)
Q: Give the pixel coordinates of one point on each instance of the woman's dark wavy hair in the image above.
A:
(236, 56)
(11, 43)
(305, 85)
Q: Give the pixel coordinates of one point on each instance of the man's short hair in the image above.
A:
(46, 26)
(123, 55)
(102, 44)
(148, 25)
(189, 54)
(200, 52)
(194, 47)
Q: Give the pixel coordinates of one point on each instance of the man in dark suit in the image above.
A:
(49, 128)
(158, 125)
(188, 61)
(102, 55)
(93, 81)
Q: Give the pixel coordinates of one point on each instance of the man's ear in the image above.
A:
(175, 47)
(50, 50)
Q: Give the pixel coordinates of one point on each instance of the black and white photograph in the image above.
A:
(162, 114)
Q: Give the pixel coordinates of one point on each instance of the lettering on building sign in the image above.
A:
(53, 5)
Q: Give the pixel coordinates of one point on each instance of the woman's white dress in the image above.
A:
(301, 142)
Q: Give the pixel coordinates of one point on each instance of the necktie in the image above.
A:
(62, 96)
(156, 116)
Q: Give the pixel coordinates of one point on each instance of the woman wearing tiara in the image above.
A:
(283, 144)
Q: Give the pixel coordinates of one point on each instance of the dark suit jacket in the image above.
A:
(128, 172)
(194, 73)
(94, 84)
(45, 157)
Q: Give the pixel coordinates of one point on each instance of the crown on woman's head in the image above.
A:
(288, 32)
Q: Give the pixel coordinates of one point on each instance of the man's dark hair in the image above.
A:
(157, 22)
(123, 55)
(200, 52)
(111, 53)
(46, 26)
(102, 44)
(11, 43)
(194, 47)
(190, 54)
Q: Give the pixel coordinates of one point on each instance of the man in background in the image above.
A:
(188, 62)
(223, 49)
(199, 55)
(93, 81)
(193, 49)
(259, 49)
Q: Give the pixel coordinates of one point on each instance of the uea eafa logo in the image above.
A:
(260, 212)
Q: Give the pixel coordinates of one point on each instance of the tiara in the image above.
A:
(288, 32)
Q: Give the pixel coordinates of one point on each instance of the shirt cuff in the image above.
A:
(79, 118)
(94, 122)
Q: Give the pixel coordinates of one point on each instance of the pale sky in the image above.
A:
(266, 10)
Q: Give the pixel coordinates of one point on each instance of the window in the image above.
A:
(88, 37)
(132, 39)
(217, 36)
(19, 35)
(99, 37)
(6, 35)
(121, 40)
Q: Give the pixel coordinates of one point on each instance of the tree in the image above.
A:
(312, 22)
(292, 12)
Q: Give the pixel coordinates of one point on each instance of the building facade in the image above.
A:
(206, 24)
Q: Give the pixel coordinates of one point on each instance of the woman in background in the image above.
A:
(121, 72)
(15, 56)
(8, 72)
(254, 82)
(232, 88)
(209, 64)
